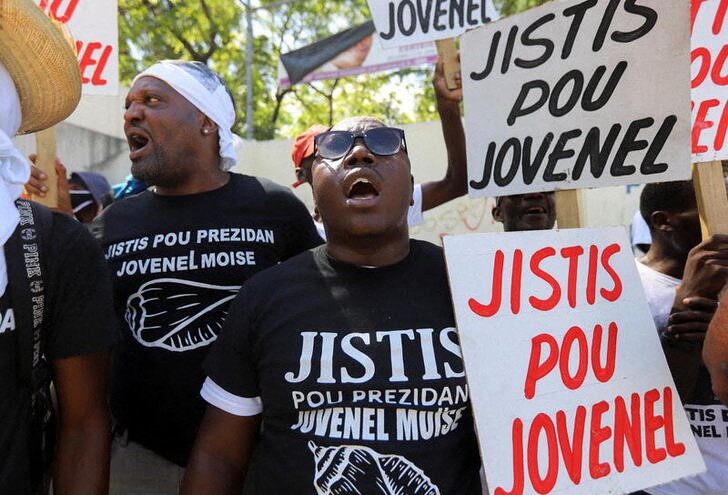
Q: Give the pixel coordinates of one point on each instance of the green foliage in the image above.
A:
(509, 7)
(306, 21)
(214, 32)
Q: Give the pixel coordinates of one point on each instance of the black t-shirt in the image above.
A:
(359, 373)
(177, 263)
(79, 320)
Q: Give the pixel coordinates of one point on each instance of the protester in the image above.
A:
(532, 211)
(682, 277)
(83, 196)
(178, 253)
(715, 350)
(90, 194)
(428, 195)
(345, 337)
(49, 265)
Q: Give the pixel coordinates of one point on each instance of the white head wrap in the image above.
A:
(205, 90)
(14, 168)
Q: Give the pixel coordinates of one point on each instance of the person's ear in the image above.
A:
(660, 220)
(208, 126)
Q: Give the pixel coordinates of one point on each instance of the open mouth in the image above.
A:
(536, 210)
(137, 142)
(362, 189)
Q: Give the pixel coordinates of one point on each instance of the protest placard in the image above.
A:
(93, 24)
(376, 58)
(404, 22)
(571, 392)
(709, 22)
(578, 94)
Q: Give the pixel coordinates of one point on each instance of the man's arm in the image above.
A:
(682, 345)
(84, 435)
(219, 459)
(705, 274)
(454, 183)
(715, 351)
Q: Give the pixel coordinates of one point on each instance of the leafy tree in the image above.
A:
(297, 24)
(214, 32)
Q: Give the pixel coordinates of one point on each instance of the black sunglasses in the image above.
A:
(382, 141)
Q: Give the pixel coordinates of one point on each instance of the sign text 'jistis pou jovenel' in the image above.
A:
(578, 94)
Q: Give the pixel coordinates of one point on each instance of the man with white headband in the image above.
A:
(178, 254)
(56, 310)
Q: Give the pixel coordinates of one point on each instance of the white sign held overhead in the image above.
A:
(578, 94)
(710, 79)
(404, 22)
(570, 389)
(93, 25)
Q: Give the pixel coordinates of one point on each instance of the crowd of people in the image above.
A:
(217, 337)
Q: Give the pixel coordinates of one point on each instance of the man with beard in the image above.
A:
(178, 254)
(339, 379)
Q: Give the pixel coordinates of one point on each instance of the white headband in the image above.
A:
(208, 94)
(14, 168)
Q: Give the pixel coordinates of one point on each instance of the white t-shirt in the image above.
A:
(414, 215)
(660, 293)
(708, 422)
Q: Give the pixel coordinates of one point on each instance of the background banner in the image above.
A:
(93, 24)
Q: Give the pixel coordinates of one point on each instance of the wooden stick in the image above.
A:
(710, 191)
(569, 209)
(451, 64)
(45, 143)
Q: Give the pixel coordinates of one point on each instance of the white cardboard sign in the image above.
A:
(570, 389)
(404, 22)
(578, 94)
(93, 24)
(710, 79)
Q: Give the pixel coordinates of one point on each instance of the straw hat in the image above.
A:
(41, 59)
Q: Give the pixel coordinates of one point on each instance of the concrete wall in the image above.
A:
(92, 139)
(604, 207)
